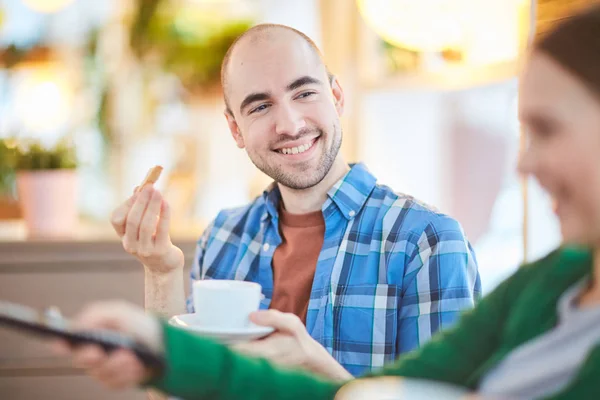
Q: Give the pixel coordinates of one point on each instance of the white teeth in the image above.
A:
(298, 149)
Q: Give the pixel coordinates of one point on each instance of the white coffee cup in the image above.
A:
(225, 304)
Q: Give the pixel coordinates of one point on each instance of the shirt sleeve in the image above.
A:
(198, 268)
(198, 368)
(441, 280)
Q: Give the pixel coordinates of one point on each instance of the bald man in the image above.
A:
(353, 274)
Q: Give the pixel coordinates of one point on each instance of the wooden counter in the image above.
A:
(67, 274)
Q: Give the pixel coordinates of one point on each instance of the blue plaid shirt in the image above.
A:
(390, 274)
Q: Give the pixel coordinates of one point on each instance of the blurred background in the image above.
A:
(107, 89)
(116, 87)
(95, 92)
(112, 88)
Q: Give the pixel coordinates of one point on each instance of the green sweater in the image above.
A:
(521, 308)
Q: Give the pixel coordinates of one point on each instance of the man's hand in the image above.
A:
(120, 369)
(142, 223)
(292, 346)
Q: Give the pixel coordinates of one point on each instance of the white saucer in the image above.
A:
(226, 335)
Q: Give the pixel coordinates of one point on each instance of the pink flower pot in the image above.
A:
(49, 202)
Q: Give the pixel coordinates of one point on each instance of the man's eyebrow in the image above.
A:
(261, 96)
(305, 80)
(252, 97)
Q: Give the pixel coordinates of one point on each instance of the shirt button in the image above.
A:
(352, 213)
(266, 247)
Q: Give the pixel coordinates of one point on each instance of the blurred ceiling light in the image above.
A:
(42, 99)
(47, 6)
(485, 31)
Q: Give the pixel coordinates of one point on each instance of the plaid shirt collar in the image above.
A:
(390, 273)
(349, 194)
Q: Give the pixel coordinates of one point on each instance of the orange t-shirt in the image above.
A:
(295, 261)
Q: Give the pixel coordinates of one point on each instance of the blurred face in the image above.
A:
(285, 110)
(562, 120)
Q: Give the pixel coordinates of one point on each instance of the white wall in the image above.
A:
(402, 142)
(457, 151)
(299, 14)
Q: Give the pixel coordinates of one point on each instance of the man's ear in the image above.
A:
(338, 95)
(234, 129)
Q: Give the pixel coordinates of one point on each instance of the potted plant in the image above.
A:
(188, 40)
(47, 189)
(9, 207)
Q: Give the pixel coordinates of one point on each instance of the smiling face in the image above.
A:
(562, 120)
(284, 108)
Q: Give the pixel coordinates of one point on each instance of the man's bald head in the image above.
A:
(257, 36)
(283, 106)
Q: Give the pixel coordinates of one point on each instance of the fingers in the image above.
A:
(142, 222)
(149, 224)
(60, 347)
(162, 231)
(134, 220)
(123, 317)
(145, 223)
(283, 322)
(88, 356)
(244, 347)
(119, 215)
(115, 315)
(278, 348)
(267, 348)
(119, 370)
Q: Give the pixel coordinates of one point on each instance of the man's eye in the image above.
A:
(305, 95)
(259, 108)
